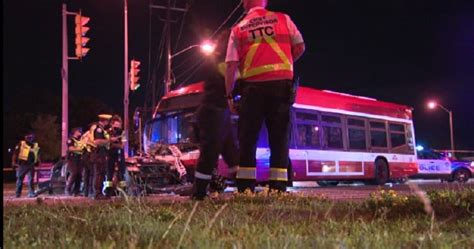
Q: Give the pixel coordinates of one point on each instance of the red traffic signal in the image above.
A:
(81, 39)
(134, 75)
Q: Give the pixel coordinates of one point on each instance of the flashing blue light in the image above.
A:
(419, 148)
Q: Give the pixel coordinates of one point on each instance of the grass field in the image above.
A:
(387, 220)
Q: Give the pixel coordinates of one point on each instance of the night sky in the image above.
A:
(395, 50)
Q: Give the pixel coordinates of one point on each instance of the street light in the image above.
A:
(433, 105)
(207, 48)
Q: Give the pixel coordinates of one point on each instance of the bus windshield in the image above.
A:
(173, 128)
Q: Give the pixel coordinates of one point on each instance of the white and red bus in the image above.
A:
(335, 136)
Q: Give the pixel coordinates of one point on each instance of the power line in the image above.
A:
(183, 21)
(196, 65)
(227, 19)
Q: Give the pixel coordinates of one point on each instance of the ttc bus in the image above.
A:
(335, 137)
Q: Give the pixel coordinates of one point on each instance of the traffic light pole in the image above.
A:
(65, 80)
(64, 76)
(126, 79)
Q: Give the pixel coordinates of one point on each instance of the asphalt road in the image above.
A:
(354, 192)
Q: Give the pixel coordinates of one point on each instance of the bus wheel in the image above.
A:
(381, 172)
(327, 183)
(461, 175)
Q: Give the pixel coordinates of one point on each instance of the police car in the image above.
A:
(435, 165)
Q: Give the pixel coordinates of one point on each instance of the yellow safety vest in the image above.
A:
(78, 144)
(222, 67)
(25, 151)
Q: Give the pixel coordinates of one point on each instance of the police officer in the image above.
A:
(74, 159)
(100, 138)
(25, 158)
(116, 154)
(214, 125)
(263, 46)
(86, 163)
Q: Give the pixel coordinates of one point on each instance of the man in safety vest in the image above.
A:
(116, 155)
(87, 170)
(25, 158)
(100, 138)
(215, 126)
(263, 47)
(74, 158)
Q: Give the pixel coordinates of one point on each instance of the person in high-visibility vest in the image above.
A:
(263, 47)
(100, 138)
(25, 158)
(74, 158)
(87, 166)
(116, 155)
(215, 126)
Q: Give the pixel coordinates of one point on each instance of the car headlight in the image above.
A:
(472, 164)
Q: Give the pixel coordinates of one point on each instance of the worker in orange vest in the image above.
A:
(263, 47)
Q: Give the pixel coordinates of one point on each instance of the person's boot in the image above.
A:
(217, 184)
(245, 184)
(278, 186)
(199, 189)
(108, 189)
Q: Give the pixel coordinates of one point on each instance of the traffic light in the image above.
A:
(81, 31)
(134, 75)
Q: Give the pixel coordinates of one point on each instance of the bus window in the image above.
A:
(308, 136)
(303, 116)
(307, 130)
(333, 137)
(356, 131)
(332, 132)
(409, 135)
(397, 135)
(331, 119)
(378, 134)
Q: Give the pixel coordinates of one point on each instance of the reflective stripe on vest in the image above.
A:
(202, 176)
(222, 67)
(78, 144)
(250, 72)
(266, 54)
(25, 151)
(108, 184)
(249, 173)
(278, 174)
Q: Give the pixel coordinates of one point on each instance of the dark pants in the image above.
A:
(75, 170)
(267, 102)
(116, 156)
(215, 137)
(99, 162)
(21, 172)
(87, 173)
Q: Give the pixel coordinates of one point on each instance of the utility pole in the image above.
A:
(168, 21)
(126, 79)
(64, 76)
(168, 49)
